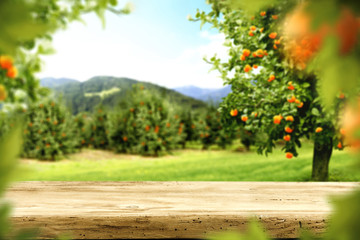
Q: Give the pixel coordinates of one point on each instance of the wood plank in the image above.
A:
(145, 210)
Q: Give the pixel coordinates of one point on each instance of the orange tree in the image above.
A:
(80, 122)
(271, 96)
(145, 124)
(188, 120)
(213, 131)
(49, 132)
(97, 129)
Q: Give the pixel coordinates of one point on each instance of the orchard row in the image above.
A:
(145, 124)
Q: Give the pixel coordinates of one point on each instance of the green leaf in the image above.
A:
(315, 112)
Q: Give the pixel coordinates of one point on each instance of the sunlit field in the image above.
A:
(187, 165)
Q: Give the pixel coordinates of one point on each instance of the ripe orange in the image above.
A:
(275, 17)
(273, 35)
(288, 130)
(242, 58)
(253, 28)
(147, 128)
(291, 87)
(289, 155)
(292, 99)
(234, 112)
(125, 138)
(244, 118)
(12, 72)
(300, 105)
(6, 62)
(318, 129)
(271, 78)
(260, 53)
(246, 52)
(251, 34)
(277, 119)
(339, 145)
(247, 68)
(263, 13)
(157, 128)
(289, 118)
(287, 138)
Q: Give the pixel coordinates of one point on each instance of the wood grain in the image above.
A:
(148, 210)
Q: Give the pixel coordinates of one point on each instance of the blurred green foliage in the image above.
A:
(10, 146)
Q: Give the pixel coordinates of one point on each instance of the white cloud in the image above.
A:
(105, 54)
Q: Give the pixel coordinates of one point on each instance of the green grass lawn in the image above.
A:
(187, 165)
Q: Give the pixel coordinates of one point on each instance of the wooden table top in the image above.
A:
(163, 210)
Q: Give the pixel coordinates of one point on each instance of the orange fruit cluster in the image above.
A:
(293, 99)
(260, 53)
(246, 53)
(302, 43)
(290, 86)
(6, 63)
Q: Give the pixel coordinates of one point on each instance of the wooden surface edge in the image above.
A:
(166, 227)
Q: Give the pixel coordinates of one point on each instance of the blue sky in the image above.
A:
(155, 43)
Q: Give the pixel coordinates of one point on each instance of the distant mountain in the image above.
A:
(204, 94)
(56, 82)
(84, 96)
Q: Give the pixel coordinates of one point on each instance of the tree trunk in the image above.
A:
(321, 159)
